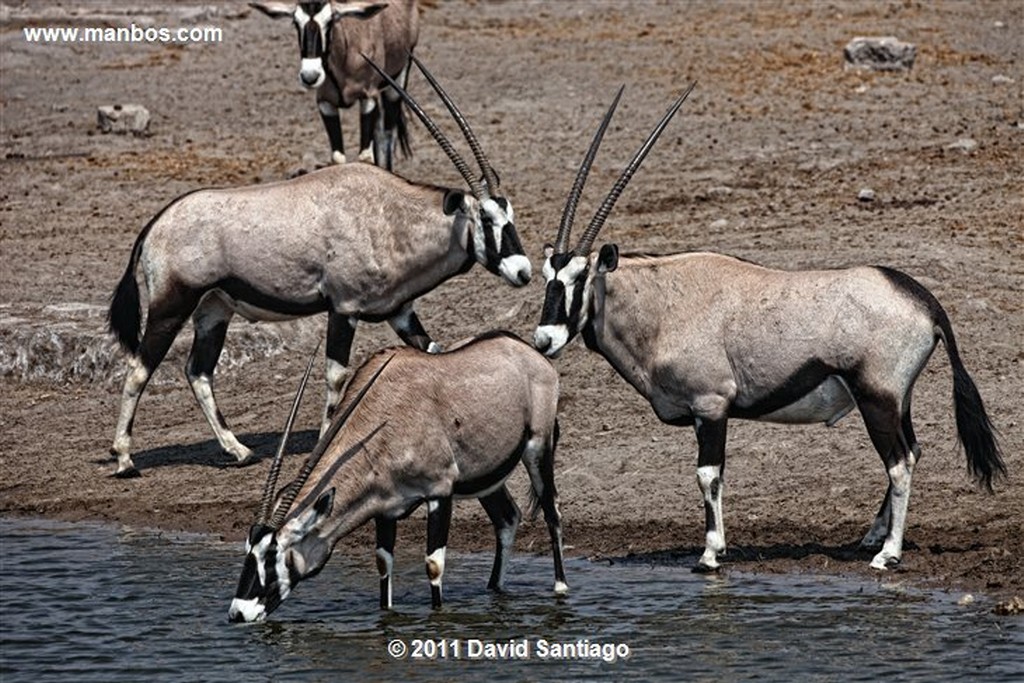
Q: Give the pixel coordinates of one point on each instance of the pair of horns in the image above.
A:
(292, 490)
(568, 215)
(480, 190)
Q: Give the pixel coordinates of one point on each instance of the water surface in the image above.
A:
(89, 602)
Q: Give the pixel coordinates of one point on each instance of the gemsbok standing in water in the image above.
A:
(353, 241)
(415, 428)
(333, 36)
(706, 337)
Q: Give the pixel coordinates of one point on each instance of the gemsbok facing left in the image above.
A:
(354, 241)
(415, 428)
(706, 337)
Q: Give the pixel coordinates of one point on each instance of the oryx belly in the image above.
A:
(828, 402)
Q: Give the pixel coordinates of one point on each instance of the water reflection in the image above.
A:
(97, 603)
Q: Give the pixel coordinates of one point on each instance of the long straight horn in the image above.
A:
(569, 214)
(474, 184)
(587, 240)
(318, 451)
(474, 144)
(275, 466)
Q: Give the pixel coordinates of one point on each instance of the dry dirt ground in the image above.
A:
(765, 161)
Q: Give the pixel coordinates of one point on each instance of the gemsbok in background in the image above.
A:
(706, 337)
(415, 428)
(354, 241)
(333, 36)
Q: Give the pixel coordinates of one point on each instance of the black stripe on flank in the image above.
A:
(244, 292)
(472, 487)
(796, 386)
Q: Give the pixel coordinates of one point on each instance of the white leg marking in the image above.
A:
(385, 566)
(334, 374)
(435, 566)
(714, 541)
(202, 388)
(327, 109)
(133, 383)
(892, 550)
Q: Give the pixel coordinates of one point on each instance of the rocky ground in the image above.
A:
(765, 161)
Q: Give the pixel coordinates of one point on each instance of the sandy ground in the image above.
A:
(765, 161)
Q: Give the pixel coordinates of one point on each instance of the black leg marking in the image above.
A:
(341, 331)
(368, 123)
(332, 124)
(410, 330)
(439, 520)
(505, 516)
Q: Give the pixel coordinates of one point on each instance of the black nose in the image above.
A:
(309, 79)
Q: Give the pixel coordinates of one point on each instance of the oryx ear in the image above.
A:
(308, 520)
(453, 201)
(363, 10)
(274, 10)
(608, 259)
(549, 250)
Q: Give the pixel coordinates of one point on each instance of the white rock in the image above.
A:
(123, 118)
(880, 54)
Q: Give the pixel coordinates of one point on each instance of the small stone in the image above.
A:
(1000, 79)
(719, 224)
(879, 54)
(965, 599)
(964, 145)
(866, 195)
(123, 118)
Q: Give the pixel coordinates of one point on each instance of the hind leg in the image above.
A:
(387, 133)
(505, 516)
(880, 525)
(210, 320)
(894, 441)
(162, 327)
(539, 458)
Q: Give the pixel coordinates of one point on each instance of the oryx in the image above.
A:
(353, 241)
(706, 337)
(333, 36)
(415, 428)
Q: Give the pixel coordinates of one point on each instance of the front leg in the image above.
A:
(332, 124)
(369, 121)
(387, 529)
(341, 329)
(439, 520)
(409, 329)
(710, 468)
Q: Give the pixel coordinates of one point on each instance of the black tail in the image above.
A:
(975, 430)
(124, 318)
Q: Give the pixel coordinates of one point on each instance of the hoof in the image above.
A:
(561, 588)
(885, 563)
(702, 568)
(127, 473)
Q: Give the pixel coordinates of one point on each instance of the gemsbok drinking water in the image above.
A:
(415, 428)
(354, 241)
(333, 36)
(706, 337)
